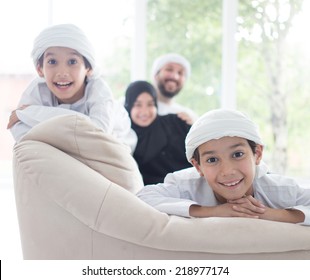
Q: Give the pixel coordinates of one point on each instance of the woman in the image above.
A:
(161, 139)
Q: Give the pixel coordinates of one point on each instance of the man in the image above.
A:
(170, 73)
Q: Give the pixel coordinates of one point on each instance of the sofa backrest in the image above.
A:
(76, 136)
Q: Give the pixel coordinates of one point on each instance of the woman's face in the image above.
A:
(144, 111)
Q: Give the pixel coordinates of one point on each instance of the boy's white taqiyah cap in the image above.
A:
(170, 58)
(219, 123)
(64, 35)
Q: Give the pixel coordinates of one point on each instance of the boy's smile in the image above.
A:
(63, 84)
(228, 165)
(232, 184)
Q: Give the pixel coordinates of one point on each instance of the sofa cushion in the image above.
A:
(66, 210)
(78, 137)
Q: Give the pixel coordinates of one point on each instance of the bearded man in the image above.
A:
(170, 73)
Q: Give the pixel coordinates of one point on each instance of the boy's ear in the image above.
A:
(197, 166)
(258, 154)
(89, 72)
(39, 71)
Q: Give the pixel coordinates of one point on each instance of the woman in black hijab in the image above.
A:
(161, 139)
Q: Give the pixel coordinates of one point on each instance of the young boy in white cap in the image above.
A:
(170, 72)
(69, 82)
(229, 178)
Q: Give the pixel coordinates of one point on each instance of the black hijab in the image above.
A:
(149, 140)
(135, 89)
(161, 145)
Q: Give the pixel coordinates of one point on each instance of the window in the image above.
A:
(108, 27)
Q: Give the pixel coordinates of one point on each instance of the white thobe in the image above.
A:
(97, 103)
(184, 188)
(174, 108)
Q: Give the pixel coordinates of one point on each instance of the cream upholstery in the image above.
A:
(74, 188)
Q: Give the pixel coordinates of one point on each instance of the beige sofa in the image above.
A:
(74, 188)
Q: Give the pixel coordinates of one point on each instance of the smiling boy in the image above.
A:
(229, 178)
(64, 70)
(69, 82)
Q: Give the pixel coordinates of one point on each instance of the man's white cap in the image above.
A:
(219, 123)
(170, 58)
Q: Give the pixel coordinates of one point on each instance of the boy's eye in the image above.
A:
(212, 160)
(238, 154)
(72, 61)
(52, 61)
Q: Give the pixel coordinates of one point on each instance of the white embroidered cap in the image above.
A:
(219, 123)
(64, 35)
(170, 58)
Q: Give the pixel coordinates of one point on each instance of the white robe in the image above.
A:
(174, 108)
(184, 188)
(97, 103)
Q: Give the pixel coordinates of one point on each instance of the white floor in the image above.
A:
(10, 246)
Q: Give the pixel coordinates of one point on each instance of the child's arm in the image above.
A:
(165, 198)
(247, 207)
(14, 118)
(283, 215)
(22, 120)
(273, 214)
(100, 105)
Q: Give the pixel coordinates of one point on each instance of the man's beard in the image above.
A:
(165, 93)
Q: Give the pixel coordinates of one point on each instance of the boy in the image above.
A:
(229, 178)
(69, 83)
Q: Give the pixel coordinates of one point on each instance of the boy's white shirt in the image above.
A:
(97, 103)
(184, 188)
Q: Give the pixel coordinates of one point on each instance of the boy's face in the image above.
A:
(228, 165)
(64, 71)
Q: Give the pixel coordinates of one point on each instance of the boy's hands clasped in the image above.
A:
(250, 207)
(246, 206)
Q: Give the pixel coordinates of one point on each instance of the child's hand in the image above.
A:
(14, 118)
(248, 205)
